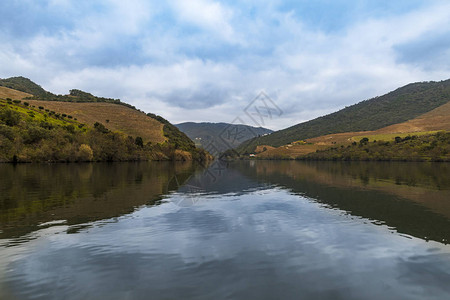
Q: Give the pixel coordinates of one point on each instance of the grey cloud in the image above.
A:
(195, 98)
(27, 18)
(187, 73)
(430, 51)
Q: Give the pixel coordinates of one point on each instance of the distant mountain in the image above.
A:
(401, 105)
(219, 137)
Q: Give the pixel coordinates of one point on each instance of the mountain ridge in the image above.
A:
(400, 105)
(220, 136)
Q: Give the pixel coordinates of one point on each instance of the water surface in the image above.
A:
(246, 230)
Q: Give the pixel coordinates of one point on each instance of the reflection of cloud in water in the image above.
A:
(384, 192)
(265, 244)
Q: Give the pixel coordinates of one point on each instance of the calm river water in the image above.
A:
(245, 230)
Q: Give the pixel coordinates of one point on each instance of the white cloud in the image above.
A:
(147, 54)
(208, 15)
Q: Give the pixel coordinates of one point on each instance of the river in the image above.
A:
(237, 230)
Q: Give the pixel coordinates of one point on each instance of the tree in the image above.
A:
(85, 153)
(138, 141)
(100, 127)
(9, 117)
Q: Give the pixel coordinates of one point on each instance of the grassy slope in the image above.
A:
(395, 107)
(121, 118)
(425, 125)
(435, 147)
(29, 134)
(437, 119)
(13, 94)
(430, 122)
(289, 151)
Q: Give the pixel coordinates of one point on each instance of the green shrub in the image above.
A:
(46, 125)
(34, 134)
(85, 153)
(70, 128)
(100, 127)
(7, 132)
(139, 142)
(9, 117)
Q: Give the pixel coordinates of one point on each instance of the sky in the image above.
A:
(207, 61)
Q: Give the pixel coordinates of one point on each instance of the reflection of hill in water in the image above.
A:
(220, 178)
(412, 197)
(34, 194)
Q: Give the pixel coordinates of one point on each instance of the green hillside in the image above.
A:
(220, 136)
(30, 134)
(24, 85)
(80, 128)
(395, 107)
(430, 147)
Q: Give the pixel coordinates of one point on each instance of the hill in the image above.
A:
(36, 92)
(23, 84)
(221, 136)
(399, 106)
(31, 134)
(112, 132)
(422, 138)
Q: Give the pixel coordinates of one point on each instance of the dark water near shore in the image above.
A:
(246, 230)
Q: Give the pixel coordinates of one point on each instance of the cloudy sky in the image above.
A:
(205, 60)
